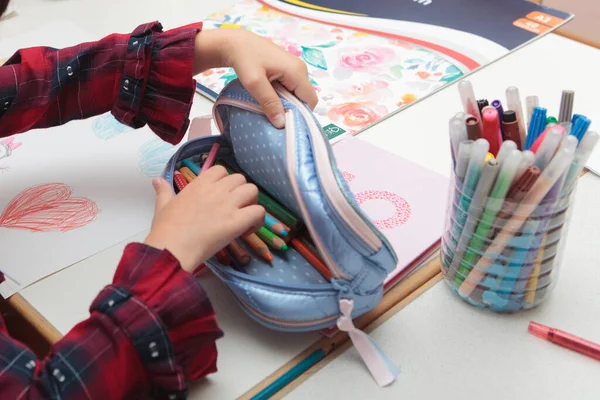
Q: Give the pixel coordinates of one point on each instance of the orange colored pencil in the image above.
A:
(312, 258)
(258, 246)
(239, 253)
(187, 174)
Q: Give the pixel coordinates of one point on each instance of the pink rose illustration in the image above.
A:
(373, 90)
(290, 47)
(365, 59)
(356, 115)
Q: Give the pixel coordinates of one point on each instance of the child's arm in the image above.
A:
(142, 78)
(147, 332)
(153, 328)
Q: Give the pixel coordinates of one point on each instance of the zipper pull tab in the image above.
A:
(383, 370)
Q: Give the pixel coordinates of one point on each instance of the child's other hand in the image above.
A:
(257, 62)
(208, 214)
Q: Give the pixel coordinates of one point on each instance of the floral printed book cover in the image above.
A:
(369, 59)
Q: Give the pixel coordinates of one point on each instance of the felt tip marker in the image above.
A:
(566, 340)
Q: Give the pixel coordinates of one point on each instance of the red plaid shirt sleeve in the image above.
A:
(153, 329)
(149, 332)
(142, 78)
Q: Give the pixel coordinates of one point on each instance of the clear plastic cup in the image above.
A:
(519, 275)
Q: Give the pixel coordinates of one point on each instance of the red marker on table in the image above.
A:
(565, 339)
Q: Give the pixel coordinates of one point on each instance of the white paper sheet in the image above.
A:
(96, 171)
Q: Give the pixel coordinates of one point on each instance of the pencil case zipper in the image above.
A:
(347, 215)
(321, 323)
(322, 289)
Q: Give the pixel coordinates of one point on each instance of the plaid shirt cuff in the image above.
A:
(165, 314)
(157, 87)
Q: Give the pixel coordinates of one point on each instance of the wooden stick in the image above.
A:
(33, 316)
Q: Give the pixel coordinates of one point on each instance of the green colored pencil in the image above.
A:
(271, 239)
(277, 210)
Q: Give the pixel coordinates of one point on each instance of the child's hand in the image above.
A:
(257, 63)
(208, 214)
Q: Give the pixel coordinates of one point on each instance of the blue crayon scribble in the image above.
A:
(154, 155)
(107, 127)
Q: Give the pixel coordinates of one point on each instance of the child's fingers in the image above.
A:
(231, 182)
(307, 94)
(296, 81)
(245, 195)
(262, 90)
(164, 193)
(211, 175)
(250, 219)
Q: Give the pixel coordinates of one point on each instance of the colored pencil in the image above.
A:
(273, 224)
(311, 257)
(239, 253)
(223, 257)
(212, 157)
(237, 266)
(180, 181)
(289, 376)
(277, 210)
(271, 239)
(187, 174)
(258, 246)
(195, 168)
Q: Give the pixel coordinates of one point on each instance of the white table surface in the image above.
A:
(248, 352)
(447, 349)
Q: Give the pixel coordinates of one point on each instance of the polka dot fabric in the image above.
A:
(260, 151)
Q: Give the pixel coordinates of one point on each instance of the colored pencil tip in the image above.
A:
(269, 257)
(284, 247)
(283, 233)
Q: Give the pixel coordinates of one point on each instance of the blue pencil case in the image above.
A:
(296, 167)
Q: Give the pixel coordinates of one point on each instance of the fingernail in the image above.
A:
(279, 121)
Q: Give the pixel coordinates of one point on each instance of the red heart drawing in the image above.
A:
(48, 207)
